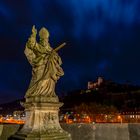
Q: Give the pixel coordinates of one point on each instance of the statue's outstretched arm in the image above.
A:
(32, 39)
(30, 45)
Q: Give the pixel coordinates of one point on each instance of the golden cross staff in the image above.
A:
(59, 47)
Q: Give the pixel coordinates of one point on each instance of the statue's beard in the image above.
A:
(44, 42)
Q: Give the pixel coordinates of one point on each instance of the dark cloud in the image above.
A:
(102, 39)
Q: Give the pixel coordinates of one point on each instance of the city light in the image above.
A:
(71, 117)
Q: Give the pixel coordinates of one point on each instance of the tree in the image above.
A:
(93, 109)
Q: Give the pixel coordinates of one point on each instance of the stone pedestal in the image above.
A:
(42, 121)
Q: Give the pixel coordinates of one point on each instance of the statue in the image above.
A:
(45, 62)
(41, 104)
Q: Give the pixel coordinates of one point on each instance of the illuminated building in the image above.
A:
(96, 84)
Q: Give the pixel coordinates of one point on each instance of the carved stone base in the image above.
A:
(42, 99)
(47, 136)
(42, 123)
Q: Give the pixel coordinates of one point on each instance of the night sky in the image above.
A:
(103, 39)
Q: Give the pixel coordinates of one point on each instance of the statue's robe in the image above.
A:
(46, 69)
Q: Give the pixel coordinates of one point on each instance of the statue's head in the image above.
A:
(44, 33)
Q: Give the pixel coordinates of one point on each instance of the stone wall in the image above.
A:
(88, 131)
(7, 130)
(99, 131)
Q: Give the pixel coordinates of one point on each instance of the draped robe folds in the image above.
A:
(46, 70)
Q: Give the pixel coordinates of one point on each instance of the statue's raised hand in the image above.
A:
(34, 30)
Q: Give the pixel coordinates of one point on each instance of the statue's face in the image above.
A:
(45, 43)
(44, 39)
